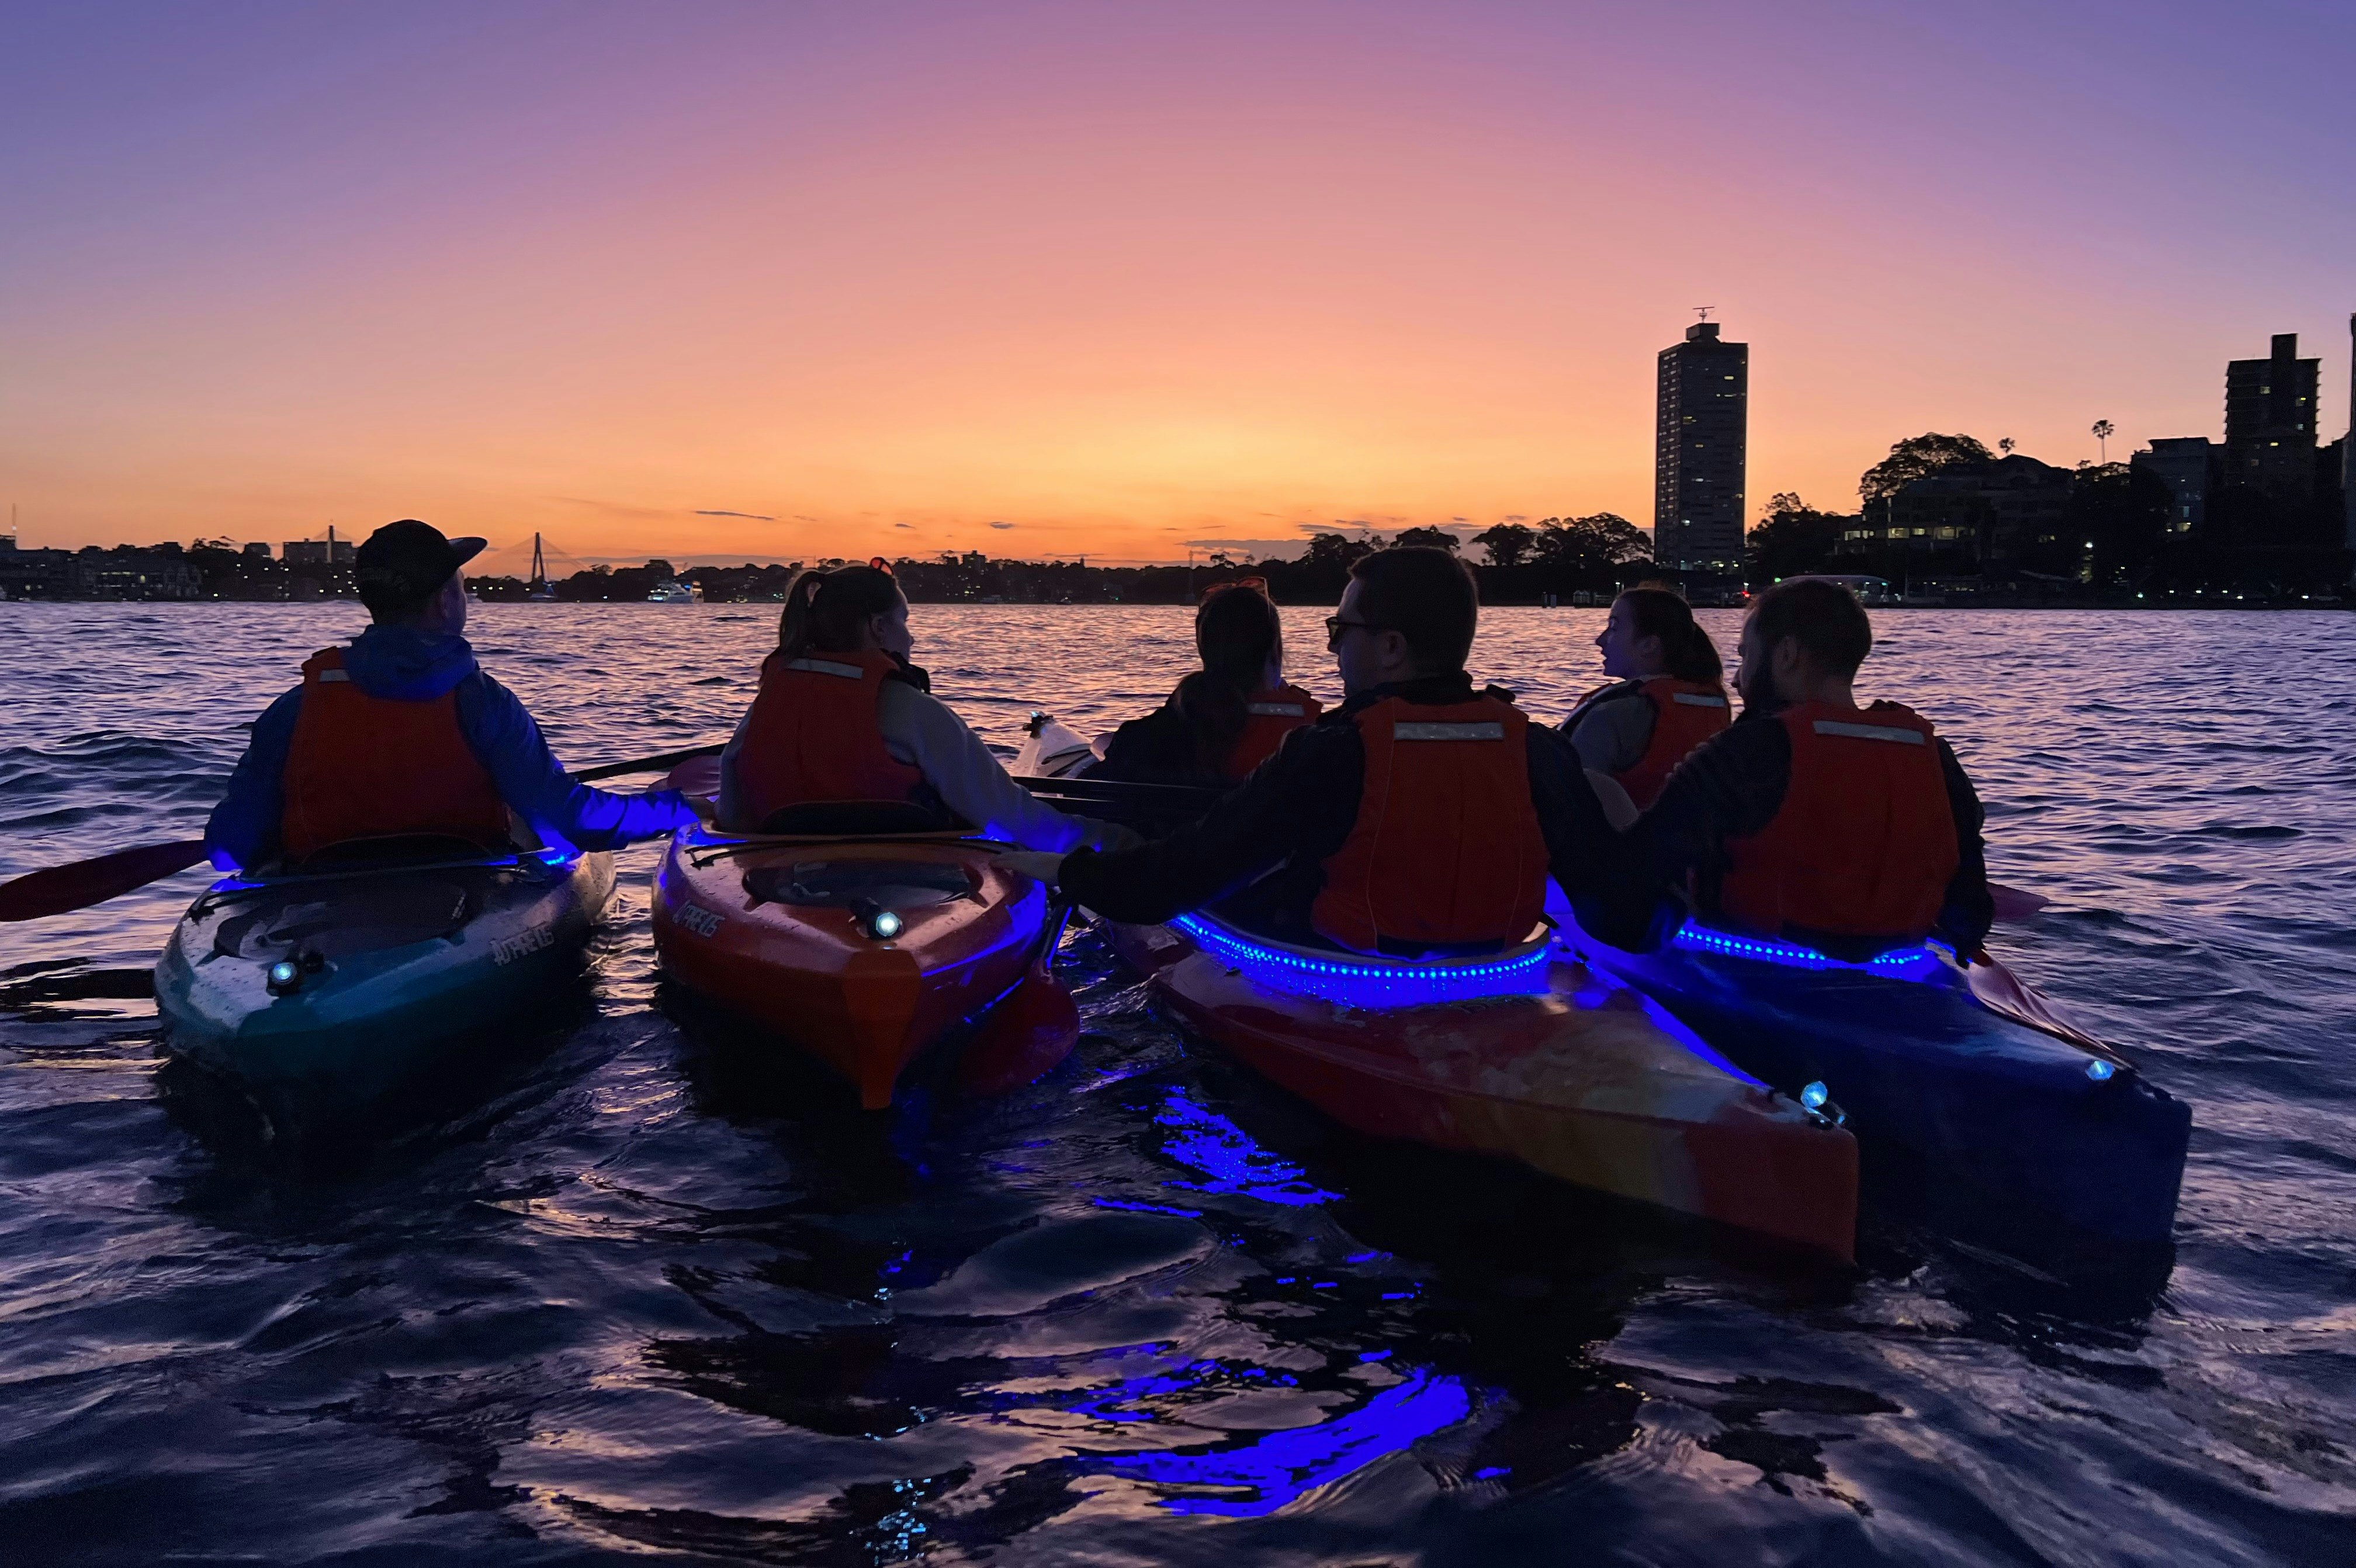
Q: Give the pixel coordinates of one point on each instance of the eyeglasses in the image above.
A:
(1335, 625)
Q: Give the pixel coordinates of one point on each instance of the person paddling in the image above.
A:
(1850, 830)
(400, 734)
(842, 715)
(1227, 718)
(1668, 697)
(1421, 816)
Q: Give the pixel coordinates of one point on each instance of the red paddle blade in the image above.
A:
(1031, 1030)
(61, 889)
(2000, 990)
(2014, 905)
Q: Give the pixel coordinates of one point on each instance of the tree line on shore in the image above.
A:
(1938, 511)
(1561, 556)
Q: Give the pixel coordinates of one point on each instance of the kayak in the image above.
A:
(324, 995)
(1528, 1054)
(1053, 749)
(1966, 1079)
(861, 950)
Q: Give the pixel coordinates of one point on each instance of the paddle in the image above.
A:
(61, 890)
(661, 763)
(2014, 905)
(1136, 805)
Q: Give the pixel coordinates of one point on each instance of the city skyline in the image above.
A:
(747, 285)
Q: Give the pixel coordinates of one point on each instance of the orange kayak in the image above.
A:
(861, 951)
(1528, 1054)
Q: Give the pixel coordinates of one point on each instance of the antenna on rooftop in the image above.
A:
(1703, 311)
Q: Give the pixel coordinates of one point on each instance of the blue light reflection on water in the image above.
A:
(1230, 1162)
(1273, 1471)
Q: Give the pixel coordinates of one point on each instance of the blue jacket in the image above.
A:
(406, 664)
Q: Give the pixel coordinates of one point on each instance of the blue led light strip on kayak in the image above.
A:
(1899, 964)
(1368, 982)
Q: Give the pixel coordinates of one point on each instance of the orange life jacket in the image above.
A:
(1271, 716)
(1446, 851)
(813, 736)
(376, 767)
(1865, 842)
(1685, 714)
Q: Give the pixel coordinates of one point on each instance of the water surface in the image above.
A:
(641, 1289)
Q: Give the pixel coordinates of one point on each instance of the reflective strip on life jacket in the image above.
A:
(1447, 849)
(1685, 714)
(813, 735)
(1869, 731)
(380, 767)
(1270, 717)
(1863, 844)
(1478, 731)
(827, 667)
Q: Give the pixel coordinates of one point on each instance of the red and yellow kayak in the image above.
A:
(863, 952)
(1528, 1054)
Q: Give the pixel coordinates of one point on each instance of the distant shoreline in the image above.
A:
(2150, 606)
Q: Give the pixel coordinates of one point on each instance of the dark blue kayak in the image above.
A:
(1965, 1081)
(323, 995)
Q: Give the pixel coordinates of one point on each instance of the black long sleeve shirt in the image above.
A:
(1731, 786)
(1260, 853)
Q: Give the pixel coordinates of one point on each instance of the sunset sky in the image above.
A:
(775, 282)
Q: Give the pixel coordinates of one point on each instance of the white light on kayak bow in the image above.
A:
(285, 976)
(1814, 1095)
(2099, 1071)
(884, 925)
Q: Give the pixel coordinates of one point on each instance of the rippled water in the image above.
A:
(638, 1291)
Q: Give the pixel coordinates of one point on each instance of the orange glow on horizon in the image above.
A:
(1057, 282)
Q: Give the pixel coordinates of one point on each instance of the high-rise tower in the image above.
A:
(2270, 420)
(2347, 448)
(1697, 464)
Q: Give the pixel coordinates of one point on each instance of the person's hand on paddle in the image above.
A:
(1036, 864)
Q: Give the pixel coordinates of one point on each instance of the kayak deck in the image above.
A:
(1556, 1067)
(1977, 1090)
(784, 930)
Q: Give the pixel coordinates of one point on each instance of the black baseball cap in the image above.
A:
(404, 564)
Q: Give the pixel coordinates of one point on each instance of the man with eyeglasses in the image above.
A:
(1422, 816)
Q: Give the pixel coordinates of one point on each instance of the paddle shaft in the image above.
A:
(61, 890)
(662, 763)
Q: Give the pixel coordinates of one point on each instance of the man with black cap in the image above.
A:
(399, 733)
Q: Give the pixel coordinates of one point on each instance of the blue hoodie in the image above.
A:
(405, 664)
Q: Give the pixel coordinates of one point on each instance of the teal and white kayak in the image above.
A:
(322, 995)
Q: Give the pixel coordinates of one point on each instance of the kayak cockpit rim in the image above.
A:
(520, 860)
(1369, 979)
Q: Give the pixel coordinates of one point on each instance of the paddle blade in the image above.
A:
(61, 889)
(1025, 1036)
(697, 775)
(2014, 905)
(2002, 991)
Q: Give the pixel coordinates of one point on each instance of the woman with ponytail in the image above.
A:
(1668, 694)
(1227, 718)
(843, 717)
